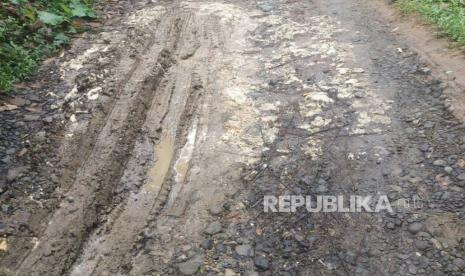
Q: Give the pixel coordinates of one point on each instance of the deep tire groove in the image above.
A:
(111, 170)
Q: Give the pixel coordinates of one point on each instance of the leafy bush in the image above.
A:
(33, 29)
(449, 15)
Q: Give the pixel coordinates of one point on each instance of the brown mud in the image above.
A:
(152, 151)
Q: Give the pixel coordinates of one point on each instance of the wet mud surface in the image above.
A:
(152, 148)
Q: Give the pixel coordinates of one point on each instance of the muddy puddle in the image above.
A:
(164, 152)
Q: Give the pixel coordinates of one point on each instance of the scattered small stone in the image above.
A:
(40, 136)
(250, 273)
(213, 228)
(436, 244)
(414, 180)
(446, 195)
(322, 187)
(30, 118)
(230, 263)
(3, 228)
(448, 169)
(390, 225)
(244, 250)
(460, 263)
(440, 162)
(230, 272)
(421, 244)
(5, 208)
(410, 130)
(227, 206)
(343, 71)
(461, 176)
(221, 248)
(48, 119)
(93, 94)
(412, 269)
(373, 252)
(306, 179)
(216, 210)
(402, 256)
(358, 95)
(206, 244)
(261, 262)
(424, 235)
(22, 152)
(429, 124)
(299, 238)
(359, 270)
(6, 159)
(191, 266)
(18, 101)
(14, 173)
(265, 7)
(415, 227)
(425, 70)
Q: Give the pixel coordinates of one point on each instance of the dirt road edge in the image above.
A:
(444, 61)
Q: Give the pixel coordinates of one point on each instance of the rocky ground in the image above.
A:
(147, 148)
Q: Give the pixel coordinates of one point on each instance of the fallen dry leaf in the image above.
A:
(461, 163)
(3, 245)
(8, 107)
(34, 109)
(442, 181)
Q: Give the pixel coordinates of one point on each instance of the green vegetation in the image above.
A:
(449, 15)
(31, 30)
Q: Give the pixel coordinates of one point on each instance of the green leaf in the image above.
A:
(18, 2)
(66, 9)
(30, 13)
(50, 18)
(61, 39)
(72, 30)
(79, 9)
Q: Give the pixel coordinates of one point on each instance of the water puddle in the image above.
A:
(164, 151)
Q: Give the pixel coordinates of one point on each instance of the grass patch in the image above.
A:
(31, 30)
(449, 15)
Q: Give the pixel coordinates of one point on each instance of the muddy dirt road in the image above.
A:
(169, 126)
